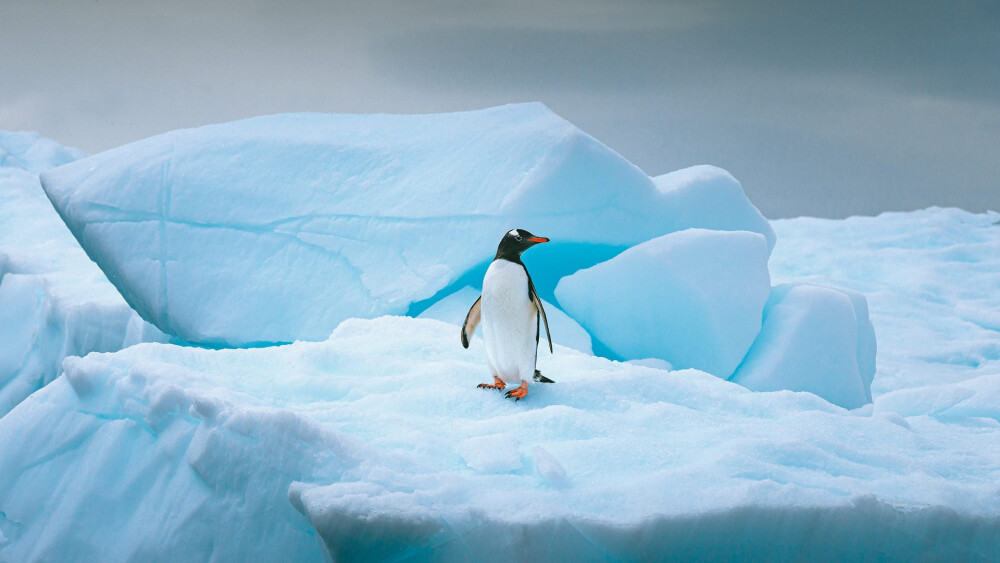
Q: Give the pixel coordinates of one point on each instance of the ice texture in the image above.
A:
(377, 443)
(565, 331)
(374, 443)
(697, 189)
(26, 150)
(816, 339)
(54, 302)
(277, 228)
(693, 298)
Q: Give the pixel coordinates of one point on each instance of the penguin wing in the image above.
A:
(541, 313)
(472, 321)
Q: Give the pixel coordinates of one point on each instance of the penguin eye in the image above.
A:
(517, 237)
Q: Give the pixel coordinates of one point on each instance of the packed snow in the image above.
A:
(54, 302)
(372, 442)
(278, 228)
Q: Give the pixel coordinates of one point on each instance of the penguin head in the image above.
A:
(515, 242)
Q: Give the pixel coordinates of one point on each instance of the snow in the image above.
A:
(25, 150)
(693, 298)
(384, 448)
(277, 228)
(54, 302)
(373, 443)
(815, 339)
(696, 189)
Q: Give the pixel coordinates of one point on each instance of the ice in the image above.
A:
(373, 442)
(377, 443)
(815, 339)
(30, 151)
(54, 302)
(930, 280)
(710, 198)
(497, 453)
(693, 298)
(565, 331)
(277, 228)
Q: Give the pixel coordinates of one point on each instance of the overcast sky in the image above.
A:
(818, 108)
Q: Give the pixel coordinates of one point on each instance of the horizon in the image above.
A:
(825, 111)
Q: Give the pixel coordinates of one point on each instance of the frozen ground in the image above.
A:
(377, 442)
(374, 443)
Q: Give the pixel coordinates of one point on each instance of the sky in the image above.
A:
(825, 109)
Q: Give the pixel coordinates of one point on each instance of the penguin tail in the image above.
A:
(539, 378)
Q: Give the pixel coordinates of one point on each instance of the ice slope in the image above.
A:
(375, 443)
(54, 302)
(693, 298)
(277, 228)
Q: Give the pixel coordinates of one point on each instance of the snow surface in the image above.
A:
(374, 444)
(693, 298)
(277, 228)
(377, 443)
(54, 302)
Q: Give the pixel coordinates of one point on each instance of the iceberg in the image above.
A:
(694, 298)
(372, 442)
(376, 444)
(277, 228)
(815, 339)
(54, 302)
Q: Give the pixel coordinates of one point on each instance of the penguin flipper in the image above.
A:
(541, 312)
(472, 321)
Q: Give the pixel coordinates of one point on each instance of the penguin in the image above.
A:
(511, 314)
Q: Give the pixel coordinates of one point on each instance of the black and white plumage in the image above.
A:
(511, 314)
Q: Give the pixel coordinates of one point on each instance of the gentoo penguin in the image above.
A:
(510, 310)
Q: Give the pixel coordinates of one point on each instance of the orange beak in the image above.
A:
(538, 239)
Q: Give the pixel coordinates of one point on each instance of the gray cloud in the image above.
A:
(818, 108)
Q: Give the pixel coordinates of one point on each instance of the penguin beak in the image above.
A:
(538, 239)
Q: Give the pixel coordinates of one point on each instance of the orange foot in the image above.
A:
(497, 384)
(518, 393)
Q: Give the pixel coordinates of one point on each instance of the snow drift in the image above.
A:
(277, 228)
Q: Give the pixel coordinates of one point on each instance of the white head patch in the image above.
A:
(512, 232)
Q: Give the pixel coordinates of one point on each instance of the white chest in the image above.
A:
(505, 287)
(508, 321)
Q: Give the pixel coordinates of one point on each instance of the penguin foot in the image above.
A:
(541, 378)
(497, 384)
(518, 393)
